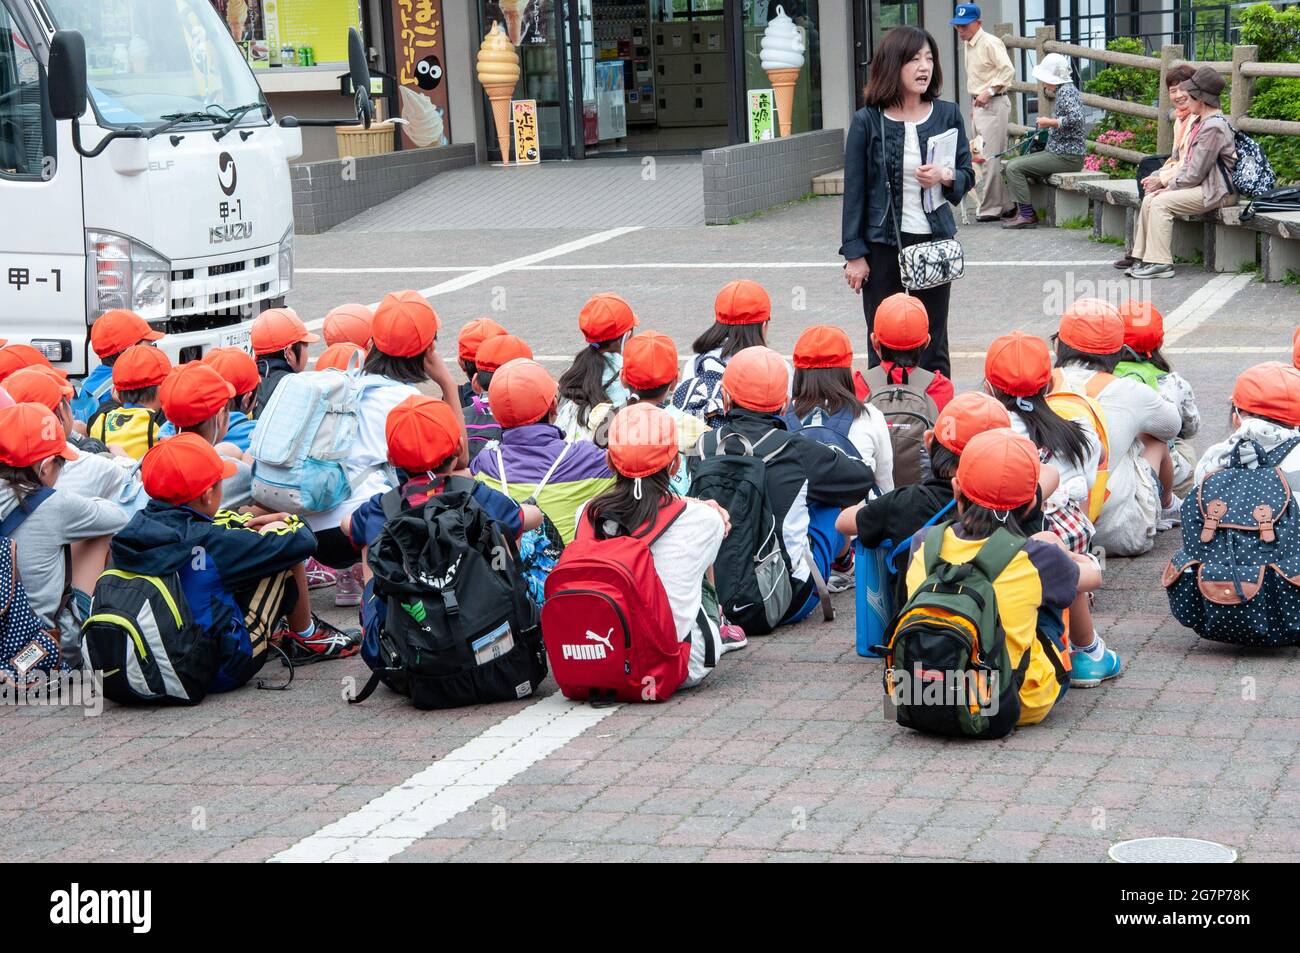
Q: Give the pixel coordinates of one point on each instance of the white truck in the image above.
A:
(140, 168)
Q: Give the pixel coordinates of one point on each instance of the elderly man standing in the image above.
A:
(989, 74)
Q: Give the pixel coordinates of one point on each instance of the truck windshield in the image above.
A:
(151, 59)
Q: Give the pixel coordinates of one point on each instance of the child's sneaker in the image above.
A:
(320, 576)
(841, 577)
(1171, 515)
(348, 590)
(324, 643)
(733, 637)
(1089, 672)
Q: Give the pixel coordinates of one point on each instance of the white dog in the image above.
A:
(970, 204)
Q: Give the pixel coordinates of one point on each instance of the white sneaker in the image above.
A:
(840, 581)
(1170, 516)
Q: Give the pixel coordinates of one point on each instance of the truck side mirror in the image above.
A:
(360, 73)
(67, 72)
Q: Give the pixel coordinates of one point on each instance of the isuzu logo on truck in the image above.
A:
(226, 164)
(234, 232)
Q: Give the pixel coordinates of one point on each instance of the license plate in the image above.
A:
(240, 337)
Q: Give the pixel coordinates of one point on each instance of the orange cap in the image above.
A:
(117, 329)
(901, 323)
(1271, 390)
(823, 345)
(30, 433)
(182, 468)
(422, 433)
(499, 349)
(649, 361)
(405, 324)
(604, 317)
(348, 322)
(16, 356)
(193, 393)
(278, 328)
(521, 392)
(37, 385)
(237, 366)
(999, 469)
(967, 415)
(140, 366)
(757, 379)
(1018, 364)
(474, 334)
(642, 440)
(344, 356)
(1144, 326)
(1092, 326)
(742, 302)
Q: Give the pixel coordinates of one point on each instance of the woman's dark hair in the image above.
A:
(830, 388)
(943, 462)
(584, 382)
(656, 395)
(405, 370)
(1064, 439)
(908, 360)
(1179, 74)
(899, 45)
(142, 395)
(619, 502)
(732, 338)
(24, 481)
(1097, 362)
(980, 521)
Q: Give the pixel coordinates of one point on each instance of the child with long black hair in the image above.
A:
(644, 455)
(741, 312)
(594, 378)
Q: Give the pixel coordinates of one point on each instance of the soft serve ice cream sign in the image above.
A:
(782, 55)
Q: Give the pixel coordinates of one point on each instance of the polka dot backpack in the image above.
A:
(30, 653)
(1237, 576)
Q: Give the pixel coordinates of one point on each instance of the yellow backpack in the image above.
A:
(1086, 407)
(134, 429)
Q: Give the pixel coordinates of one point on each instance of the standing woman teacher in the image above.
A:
(904, 89)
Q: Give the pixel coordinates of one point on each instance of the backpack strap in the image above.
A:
(1097, 383)
(823, 590)
(546, 477)
(25, 508)
(897, 550)
(769, 457)
(876, 379)
(720, 438)
(932, 545)
(156, 420)
(918, 378)
(997, 553)
(391, 503)
(650, 534)
(1274, 457)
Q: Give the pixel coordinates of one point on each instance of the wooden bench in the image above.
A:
(1279, 241)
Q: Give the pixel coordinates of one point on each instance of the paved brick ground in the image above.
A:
(783, 754)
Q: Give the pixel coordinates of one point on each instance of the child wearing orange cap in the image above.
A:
(49, 525)
(996, 488)
(533, 462)
(803, 473)
(898, 514)
(425, 444)
(468, 340)
(244, 577)
(112, 333)
(594, 377)
(1265, 414)
(481, 427)
(1144, 333)
(240, 371)
(348, 324)
(133, 420)
(741, 312)
(279, 340)
(644, 454)
(900, 334)
(196, 399)
(1139, 424)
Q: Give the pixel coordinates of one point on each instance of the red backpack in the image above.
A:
(607, 624)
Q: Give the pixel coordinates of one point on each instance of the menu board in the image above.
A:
(421, 52)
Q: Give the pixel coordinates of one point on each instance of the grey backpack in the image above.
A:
(909, 412)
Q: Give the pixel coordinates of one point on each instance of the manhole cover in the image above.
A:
(1171, 850)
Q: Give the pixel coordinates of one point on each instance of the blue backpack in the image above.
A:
(1232, 579)
(303, 438)
(30, 654)
(829, 429)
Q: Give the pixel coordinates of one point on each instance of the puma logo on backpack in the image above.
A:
(909, 411)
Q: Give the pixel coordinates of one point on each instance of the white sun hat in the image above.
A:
(1054, 70)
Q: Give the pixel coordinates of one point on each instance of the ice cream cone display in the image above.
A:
(513, 12)
(423, 124)
(782, 55)
(237, 17)
(498, 73)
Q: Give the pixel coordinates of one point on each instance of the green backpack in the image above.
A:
(947, 668)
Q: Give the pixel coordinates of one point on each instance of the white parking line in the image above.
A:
(663, 265)
(396, 819)
(1203, 304)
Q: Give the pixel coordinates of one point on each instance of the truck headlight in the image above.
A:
(122, 273)
(286, 260)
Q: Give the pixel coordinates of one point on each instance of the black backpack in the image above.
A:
(1285, 199)
(752, 569)
(141, 635)
(458, 626)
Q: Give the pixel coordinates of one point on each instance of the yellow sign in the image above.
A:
(528, 149)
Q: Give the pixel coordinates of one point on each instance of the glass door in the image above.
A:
(871, 18)
(535, 28)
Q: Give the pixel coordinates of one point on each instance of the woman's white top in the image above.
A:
(913, 214)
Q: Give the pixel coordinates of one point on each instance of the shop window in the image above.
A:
(22, 116)
(807, 19)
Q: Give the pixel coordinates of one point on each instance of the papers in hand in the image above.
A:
(941, 150)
